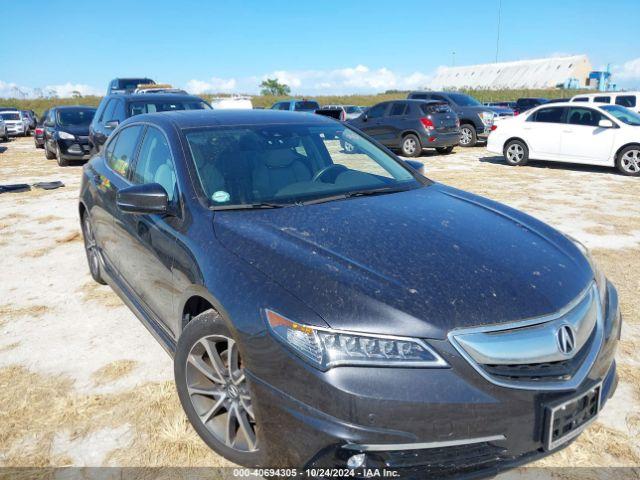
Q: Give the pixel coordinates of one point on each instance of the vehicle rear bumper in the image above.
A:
(437, 140)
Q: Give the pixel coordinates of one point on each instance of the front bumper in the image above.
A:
(427, 421)
(77, 149)
(15, 129)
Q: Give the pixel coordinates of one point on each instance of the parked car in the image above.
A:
(38, 133)
(297, 105)
(4, 135)
(337, 112)
(475, 119)
(345, 304)
(350, 111)
(557, 100)
(524, 104)
(14, 123)
(411, 126)
(235, 102)
(30, 118)
(591, 134)
(66, 133)
(127, 85)
(625, 99)
(114, 109)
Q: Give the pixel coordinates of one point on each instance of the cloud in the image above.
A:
(629, 70)
(214, 85)
(13, 90)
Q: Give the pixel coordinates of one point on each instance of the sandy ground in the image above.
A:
(82, 383)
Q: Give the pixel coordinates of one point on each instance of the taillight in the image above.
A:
(39, 131)
(493, 127)
(427, 123)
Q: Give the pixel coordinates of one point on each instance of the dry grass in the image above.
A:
(71, 237)
(102, 294)
(11, 311)
(114, 371)
(10, 346)
(48, 219)
(35, 407)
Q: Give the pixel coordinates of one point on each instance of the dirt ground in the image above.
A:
(82, 383)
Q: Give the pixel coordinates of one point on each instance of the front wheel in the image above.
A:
(411, 146)
(214, 391)
(516, 153)
(62, 162)
(445, 150)
(48, 154)
(628, 161)
(468, 135)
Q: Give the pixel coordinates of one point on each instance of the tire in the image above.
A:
(445, 150)
(468, 135)
(516, 153)
(628, 161)
(61, 161)
(48, 154)
(410, 146)
(93, 256)
(228, 391)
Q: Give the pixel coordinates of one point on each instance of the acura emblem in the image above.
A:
(566, 339)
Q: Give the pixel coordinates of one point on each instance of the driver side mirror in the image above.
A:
(605, 123)
(140, 199)
(364, 117)
(112, 124)
(416, 165)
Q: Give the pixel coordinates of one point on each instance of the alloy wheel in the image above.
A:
(409, 146)
(515, 153)
(630, 161)
(465, 136)
(90, 246)
(219, 392)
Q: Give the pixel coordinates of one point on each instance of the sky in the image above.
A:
(316, 47)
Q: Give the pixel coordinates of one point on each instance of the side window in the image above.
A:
(107, 114)
(602, 99)
(547, 115)
(419, 96)
(580, 99)
(51, 118)
(398, 108)
(124, 150)
(284, 106)
(155, 164)
(377, 111)
(440, 97)
(584, 116)
(118, 111)
(626, 100)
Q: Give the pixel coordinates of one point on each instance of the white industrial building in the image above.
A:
(568, 72)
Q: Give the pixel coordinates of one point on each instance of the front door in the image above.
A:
(583, 140)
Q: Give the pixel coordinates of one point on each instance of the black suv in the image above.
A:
(116, 108)
(411, 126)
(127, 85)
(476, 119)
(524, 104)
(65, 133)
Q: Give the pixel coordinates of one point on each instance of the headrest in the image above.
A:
(279, 158)
(248, 143)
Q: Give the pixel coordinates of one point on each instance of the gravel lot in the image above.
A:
(82, 382)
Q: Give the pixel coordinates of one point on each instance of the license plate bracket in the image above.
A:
(567, 419)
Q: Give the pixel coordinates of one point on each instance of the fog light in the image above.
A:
(356, 461)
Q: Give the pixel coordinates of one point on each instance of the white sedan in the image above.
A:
(607, 135)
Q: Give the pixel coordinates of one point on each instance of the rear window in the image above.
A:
(429, 108)
(10, 116)
(602, 99)
(138, 108)
(626, 100)
(307, 105)
(75, 118)
(580, 99)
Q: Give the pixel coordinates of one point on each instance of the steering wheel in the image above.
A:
(337, 169)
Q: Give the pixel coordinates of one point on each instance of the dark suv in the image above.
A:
(476, 119)
(411, 126)
(114, 109)
(66, 132)
(127, 85)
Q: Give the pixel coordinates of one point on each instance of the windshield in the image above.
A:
(285, 164)
(10, 116)
(306, 106)
(75, 118)
(138, 108)
(623, 114)
(463, 100)
(352, 109)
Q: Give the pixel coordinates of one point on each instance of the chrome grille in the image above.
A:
(528, 354)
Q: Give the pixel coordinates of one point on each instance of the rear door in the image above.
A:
(394, 122)
(542, 132)
(583, 140)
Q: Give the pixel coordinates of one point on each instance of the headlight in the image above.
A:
(66, 136)
(598, 274)
(487, 118)
(325, 348)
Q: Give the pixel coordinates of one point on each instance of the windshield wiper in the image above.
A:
(355, 193)
(252, 206)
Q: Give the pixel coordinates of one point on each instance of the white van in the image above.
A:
(630, 100)
(231, 103)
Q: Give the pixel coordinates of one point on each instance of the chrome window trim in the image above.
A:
(421, 446)
(570, 384)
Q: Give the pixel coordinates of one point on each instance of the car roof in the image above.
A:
(605, 94)
(154, 97)
(184, 119)
(74, 107)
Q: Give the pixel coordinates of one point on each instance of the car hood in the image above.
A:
(501, 109)
(416, 263)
